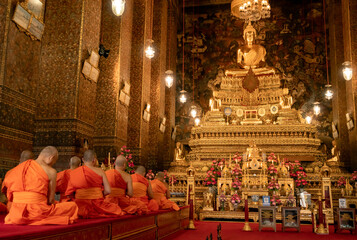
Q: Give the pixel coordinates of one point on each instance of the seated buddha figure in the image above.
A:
(250, 55)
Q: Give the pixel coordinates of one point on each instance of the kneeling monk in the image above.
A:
(31, 189)
(162, 193)
(63, 177)
(122, 189)
(87, 182)
(142, 189)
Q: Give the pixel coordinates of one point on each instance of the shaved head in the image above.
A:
(49, 155)
(140, 170)
(89, 156)
(74, 162)
(120, 161)
(160, 176)
(26, 155)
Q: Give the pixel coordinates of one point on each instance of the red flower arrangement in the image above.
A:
(169, 179)
(213, 173)
(236, 184)
(354, 177)
(341, 183)
(210, 180)
(236, 172)
(273, 185)
(129, 159)
(272, 158)
(237, 158)
(298, 173)
(235, 199)
(275, 200)
(272, 171)
(150, 175)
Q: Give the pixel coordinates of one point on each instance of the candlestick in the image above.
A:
(246, 215)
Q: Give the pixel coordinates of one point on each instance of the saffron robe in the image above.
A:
(140, 188)
(87, 186)
(160, 190)
(62, 183)
(118, 194)
(27, 189)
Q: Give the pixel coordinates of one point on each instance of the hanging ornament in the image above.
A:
(118, 7)
(308, 119)
(317, 108)
(169, 78)
(183, 97)
(328, 92)
(197, 121)
(347, 70)
(193, 112)
(149, 50)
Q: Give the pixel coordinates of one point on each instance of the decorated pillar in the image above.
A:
(349, 18)
(157, 92)
(140, 78)
(113, 99)
(65, 98)
(339, 104)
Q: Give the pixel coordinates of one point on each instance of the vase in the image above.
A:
(222, 206)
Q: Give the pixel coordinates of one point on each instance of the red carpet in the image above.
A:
(233, 231)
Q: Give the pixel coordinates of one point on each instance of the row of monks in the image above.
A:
(85, 191)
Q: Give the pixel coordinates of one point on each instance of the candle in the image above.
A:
(108, 157)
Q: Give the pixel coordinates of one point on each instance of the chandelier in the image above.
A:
(250, 10)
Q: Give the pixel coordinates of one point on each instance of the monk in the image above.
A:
(162, 193)
(63, 177)
(122, 189)
(26, 155)
(86, 182)
(142, 189)
(31, 189)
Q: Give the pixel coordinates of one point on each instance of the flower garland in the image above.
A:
(341, 183)
(235, 199)
(150, 175)
(130, 166)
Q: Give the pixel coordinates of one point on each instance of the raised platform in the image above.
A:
(152, 226)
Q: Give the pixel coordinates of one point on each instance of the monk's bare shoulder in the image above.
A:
(51, 172)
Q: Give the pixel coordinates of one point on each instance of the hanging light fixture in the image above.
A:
(149, 49)
(183, 97)
(347, 70)
(328, 92)
(317, 108)
(308, 119)
(118, 7)
(197, 121)
(169, 78)
(250, 10)
(328, 87)
(193, 111)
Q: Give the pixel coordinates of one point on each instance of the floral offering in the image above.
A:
(236, 172)
(210, 180)
(290, 201)
(235, 199)
(273, 185)
(275, 200)
(298, 173)
(272, 171)
(341, 183)
(236, 184)
(272, 158)
(237, 158)
(150, 175)
(354, 176)
(129, 159)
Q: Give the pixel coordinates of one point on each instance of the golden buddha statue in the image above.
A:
(250, 55)
(178, 152)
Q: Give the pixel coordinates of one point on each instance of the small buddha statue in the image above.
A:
(250, 55)
(178, 152)
(335, 155)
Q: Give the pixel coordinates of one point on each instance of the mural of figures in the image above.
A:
(294, 42)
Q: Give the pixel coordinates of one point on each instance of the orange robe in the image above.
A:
(4, 190)
(160, 190)
(87, 186)
(27, 189)
(118, 194)
(140, 188)
(3, 208)
(62, 183)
